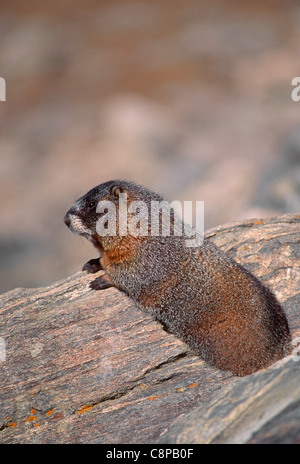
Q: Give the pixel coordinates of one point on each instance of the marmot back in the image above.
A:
(198, 293)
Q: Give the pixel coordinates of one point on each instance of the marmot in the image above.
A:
(200, 294)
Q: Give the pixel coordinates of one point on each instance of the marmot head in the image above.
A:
(84, 217)
(81, 218)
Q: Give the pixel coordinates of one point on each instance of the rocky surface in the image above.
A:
(86, 367)
(261, 409)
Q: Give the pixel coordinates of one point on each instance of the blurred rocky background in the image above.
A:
(191, 98)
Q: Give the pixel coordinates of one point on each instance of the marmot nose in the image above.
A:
(67, 219)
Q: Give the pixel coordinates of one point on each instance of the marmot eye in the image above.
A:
(91, 204)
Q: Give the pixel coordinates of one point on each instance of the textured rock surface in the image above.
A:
(86, 367)
(261, 408)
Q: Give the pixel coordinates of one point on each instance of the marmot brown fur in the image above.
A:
(200, 294)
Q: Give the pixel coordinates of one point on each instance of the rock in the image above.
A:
(84, 367)
(261, 408)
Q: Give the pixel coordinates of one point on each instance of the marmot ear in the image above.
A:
(116, 190)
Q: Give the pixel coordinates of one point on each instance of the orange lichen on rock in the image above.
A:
(30, 418)
(12, 424)
(193, 385)
(84, 409)
(157, 396)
